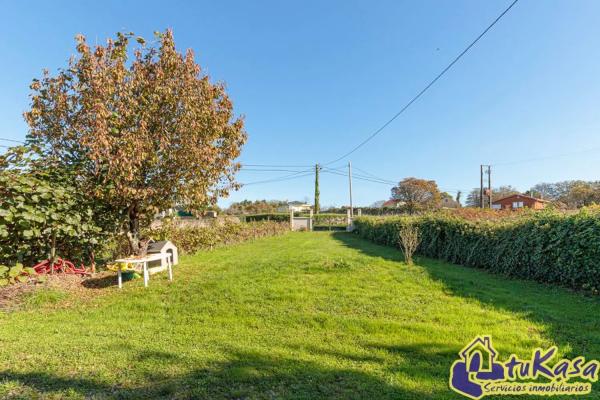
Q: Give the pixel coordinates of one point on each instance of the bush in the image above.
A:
(38, 215)
(409, 241)
(329, 220)
(278, 217)
(191, 239)
(545, 246)
(16, 273)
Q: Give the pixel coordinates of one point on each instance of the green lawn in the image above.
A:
(302, 316)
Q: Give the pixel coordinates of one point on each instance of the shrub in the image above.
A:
(329, 220)
(16, 273)
(278, 217)
(408, 239)
(191, 239)
(38, 216)
(545, 246)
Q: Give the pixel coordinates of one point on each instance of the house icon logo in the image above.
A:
(481, 349)
(478, 372)
(477, 364)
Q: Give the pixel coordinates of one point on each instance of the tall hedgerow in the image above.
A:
(545, 246)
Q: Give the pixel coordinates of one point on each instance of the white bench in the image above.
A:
(144, 262)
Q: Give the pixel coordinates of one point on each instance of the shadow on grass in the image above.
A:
(570, 318)
(246, 375)
(100, 283)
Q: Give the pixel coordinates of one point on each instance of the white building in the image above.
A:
(296, 206)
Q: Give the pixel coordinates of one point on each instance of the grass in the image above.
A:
(302, 316)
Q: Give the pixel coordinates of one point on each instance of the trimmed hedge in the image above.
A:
(322, 219)
(191, 239)
(546, 246)
(279, 217)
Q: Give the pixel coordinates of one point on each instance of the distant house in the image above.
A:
(393, 203)
(516, 201)
(295, 206)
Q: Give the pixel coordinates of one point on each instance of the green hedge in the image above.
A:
(545, 246)
(191, 239)
(322, 219)
(279, 217)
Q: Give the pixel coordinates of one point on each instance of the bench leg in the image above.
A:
(170, 267)
(119, 278)
(146, 274)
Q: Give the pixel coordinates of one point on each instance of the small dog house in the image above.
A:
(162, 247)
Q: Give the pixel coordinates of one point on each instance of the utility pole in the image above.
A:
(350, 182)
(489, 172)
(481, 186)
(317, 192)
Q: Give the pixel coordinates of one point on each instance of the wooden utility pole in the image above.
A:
(350, 185)
(481, 186)
(489, 172)
(317, 192)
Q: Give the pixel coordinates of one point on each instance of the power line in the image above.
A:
(12, 140)
(267, 170)
(357, 177)
(276, 166)
(368, 173)
(546, 157)
(384, 181)
(280, 179)
(415, 98)
(365, 177)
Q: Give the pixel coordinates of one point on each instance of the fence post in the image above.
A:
(348, 219)
(291, 220)
(359, 212)
(310, 220)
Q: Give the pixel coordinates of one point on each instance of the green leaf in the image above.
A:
(15, 271)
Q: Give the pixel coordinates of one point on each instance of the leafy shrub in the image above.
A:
(408, 239)
(329, 220)
(369, 210)
(278, 217)
(546, 246)
(16, 273)
(37, 216)
(191, 239)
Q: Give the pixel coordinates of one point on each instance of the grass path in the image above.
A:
(302, 316)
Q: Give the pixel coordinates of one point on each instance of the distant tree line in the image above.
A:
(571, 194)
(255, 207)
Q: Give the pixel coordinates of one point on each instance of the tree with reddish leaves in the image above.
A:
(142, 129)
(417, 194)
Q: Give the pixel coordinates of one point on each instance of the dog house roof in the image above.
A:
(161, 245)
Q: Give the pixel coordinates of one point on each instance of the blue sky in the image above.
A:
(314, 78)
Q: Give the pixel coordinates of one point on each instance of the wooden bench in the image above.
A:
(144, 262)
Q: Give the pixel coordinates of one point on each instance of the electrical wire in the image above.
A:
(267, 170)
(12, 140)
(426, 88)
(276, 166)
(359, 178)
(280, 179)
(594, 149)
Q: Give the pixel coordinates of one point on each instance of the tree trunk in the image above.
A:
(133, 234)
(92, 261)
(53, 252)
